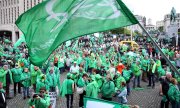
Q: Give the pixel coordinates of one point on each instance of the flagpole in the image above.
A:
(156, 45)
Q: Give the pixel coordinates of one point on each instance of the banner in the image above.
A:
(53, 96)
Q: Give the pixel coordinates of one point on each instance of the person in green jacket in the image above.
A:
(26, 82)
(6, 79)
(82, 82)
(144, 65)
(92, 88)
(16, 74)
(35, 73)
(151, 73)
(137, 74)
(67, 89)
(53, 80)
(42, 82)
(108, 88)
(174, 94)
(41, 100)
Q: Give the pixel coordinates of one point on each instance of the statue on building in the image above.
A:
(173, 16)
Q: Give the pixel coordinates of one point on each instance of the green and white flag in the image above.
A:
(98, 103)
(53, 22)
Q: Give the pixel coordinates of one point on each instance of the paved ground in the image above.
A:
(146, 98)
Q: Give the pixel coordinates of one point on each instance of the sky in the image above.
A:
(154, 9)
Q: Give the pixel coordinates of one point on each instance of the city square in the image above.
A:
(89, 54)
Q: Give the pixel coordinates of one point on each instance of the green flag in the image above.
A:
(98, 103)
(53, 22)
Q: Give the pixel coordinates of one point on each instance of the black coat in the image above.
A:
(2, 100)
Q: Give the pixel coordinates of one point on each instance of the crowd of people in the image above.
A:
(96, 67)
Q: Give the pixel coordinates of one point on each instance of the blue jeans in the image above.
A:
(26, 91)
(138, 81)
(128, 88)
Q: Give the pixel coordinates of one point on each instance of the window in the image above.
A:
(34, 2)
(1, 17)
(17, 1)
(15, 12)
(12, 15)
(24, 5)
(9, 15)
(27, 4)
(6, 17)
(18, 11)
(31, 3)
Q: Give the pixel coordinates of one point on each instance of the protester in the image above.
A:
(41, 100)
(67, 89)
(92, 88)
(82, 83)
(16, 73)
(164, 87)
(151, 75)
(137, 74)
(3, 103)
(122, 94)
(6, 79)
(26, 82)
(174, 93)
(35, 74)
(108, 88)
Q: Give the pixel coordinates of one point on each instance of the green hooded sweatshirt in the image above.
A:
(92, 89)
(108, 89)
(16, 73)
(3, 76)
(26, 79)
(34, 75)
(40, 103)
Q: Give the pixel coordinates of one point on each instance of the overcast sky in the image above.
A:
(154, 9)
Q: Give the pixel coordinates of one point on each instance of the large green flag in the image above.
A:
(53, 22)
(99, 103)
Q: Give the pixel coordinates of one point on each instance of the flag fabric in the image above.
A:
(52, 22)
(99, 103)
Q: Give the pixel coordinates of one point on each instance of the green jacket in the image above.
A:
(174, 93)
(16, 74)
(152, 67)
(127, 74)
(3, 76)
(41, 83)
(26, 79)
(136, 70)
(108, 89)
(35, 75)
(92, 89)
(118, 82)
(53, 80)
(144, 64)
(40, 103)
